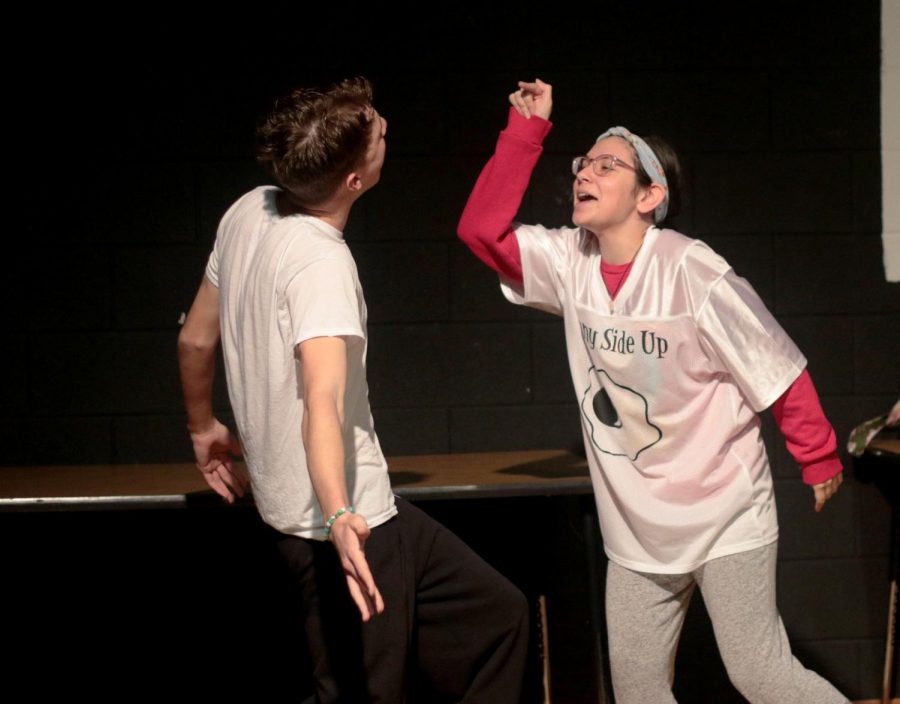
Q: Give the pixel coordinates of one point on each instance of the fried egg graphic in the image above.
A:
(617, 417)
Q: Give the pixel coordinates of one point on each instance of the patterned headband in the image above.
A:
(649, 161)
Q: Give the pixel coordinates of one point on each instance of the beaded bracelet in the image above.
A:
(337, 514)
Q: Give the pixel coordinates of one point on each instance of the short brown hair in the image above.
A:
(311, 139)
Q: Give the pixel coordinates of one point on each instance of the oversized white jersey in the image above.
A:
(283, 280)
(669, 377)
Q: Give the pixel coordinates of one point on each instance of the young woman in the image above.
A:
(672, 356)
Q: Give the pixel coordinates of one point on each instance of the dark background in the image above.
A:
(130, 136)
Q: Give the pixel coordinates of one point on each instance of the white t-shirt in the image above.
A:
(282, 281)
(669, 378)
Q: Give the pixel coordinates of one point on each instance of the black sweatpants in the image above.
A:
(453, 628)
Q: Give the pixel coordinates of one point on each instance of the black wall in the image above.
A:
(130, 143)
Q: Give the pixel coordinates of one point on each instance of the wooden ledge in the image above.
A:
(419, 477)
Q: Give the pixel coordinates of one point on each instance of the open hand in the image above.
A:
(349, 534)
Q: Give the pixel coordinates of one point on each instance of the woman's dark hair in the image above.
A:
(671, 165)
(313, 138)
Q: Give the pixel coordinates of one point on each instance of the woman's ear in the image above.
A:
(651, 197)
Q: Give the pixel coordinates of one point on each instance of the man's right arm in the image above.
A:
(213, 443)
(324, 365)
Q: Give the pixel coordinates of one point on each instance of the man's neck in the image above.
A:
(331, 212)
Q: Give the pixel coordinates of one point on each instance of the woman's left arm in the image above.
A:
(809, 437)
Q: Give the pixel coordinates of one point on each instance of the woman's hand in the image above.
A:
(826, 490)
(533, 99)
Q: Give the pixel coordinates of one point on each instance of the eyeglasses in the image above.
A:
(602, 165)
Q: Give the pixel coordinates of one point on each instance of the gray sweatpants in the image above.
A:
(645, 613)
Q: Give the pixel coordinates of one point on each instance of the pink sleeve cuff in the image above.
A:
(533, 129)
(822, 470)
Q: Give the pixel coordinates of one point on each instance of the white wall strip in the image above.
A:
(890, 137)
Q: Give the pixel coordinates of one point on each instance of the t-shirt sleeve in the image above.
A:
(212, 264)
(544, 253)
(745, 339)
(322, 300)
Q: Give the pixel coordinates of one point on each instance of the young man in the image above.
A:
(430, 619)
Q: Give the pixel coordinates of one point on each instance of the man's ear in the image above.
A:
(650, 199)
(353, 182)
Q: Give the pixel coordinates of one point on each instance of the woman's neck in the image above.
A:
(621, 245)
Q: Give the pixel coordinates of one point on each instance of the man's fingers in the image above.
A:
(378, 602)
(369, 604)
(216, 484)
(230, 478)
(362, 601)
(363, 574)
(355, 565)
(362, 586)
(349, 535)
(226, 479)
